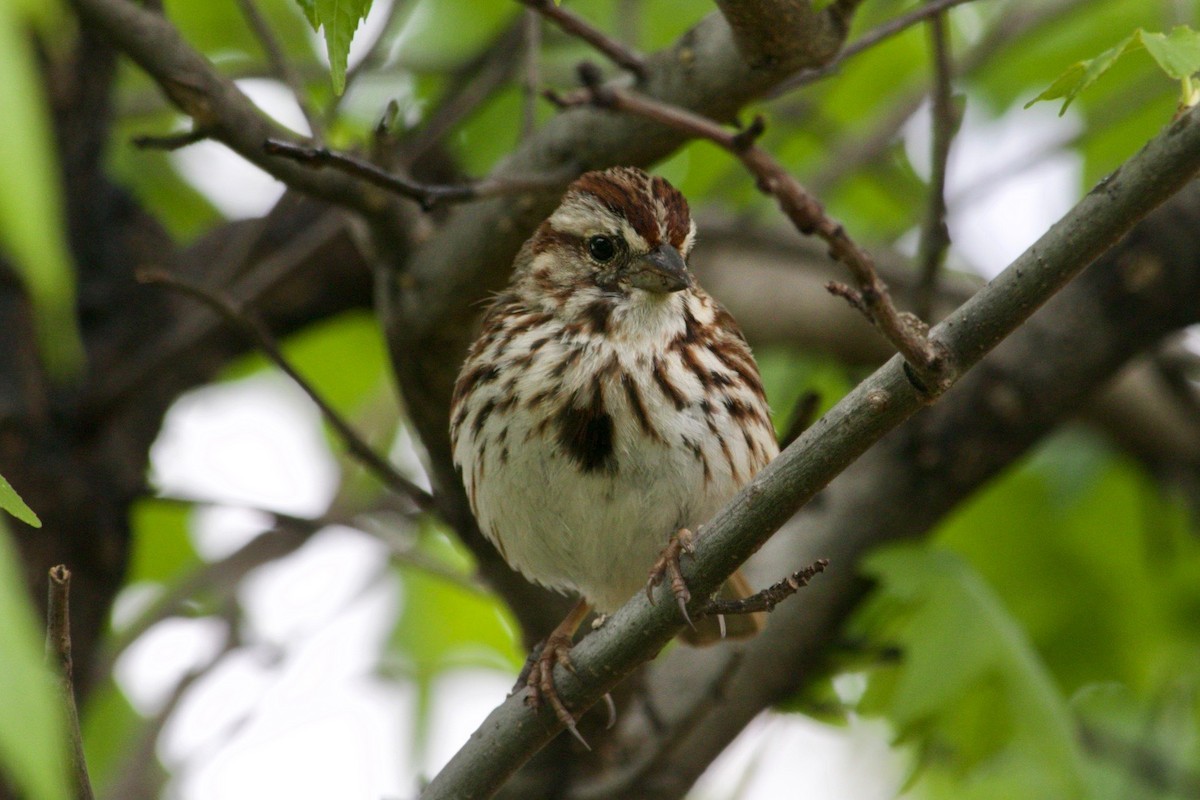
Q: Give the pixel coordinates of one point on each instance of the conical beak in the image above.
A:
(661, 270)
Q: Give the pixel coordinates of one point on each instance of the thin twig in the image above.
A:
(58, 648)
(533, 77)
(768, 598)
(928, 363)
(428, 195)
(865, 42)
(944, 120)
(250, 326)
(575, 25)
(281, 67)
(175, 141)
(804, 414)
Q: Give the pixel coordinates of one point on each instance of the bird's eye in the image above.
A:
(601, 248)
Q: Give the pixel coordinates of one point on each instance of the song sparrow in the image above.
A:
(608, 404)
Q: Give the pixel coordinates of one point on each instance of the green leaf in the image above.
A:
(339, 19)
(11, 502)
(1178, 55)
(32, 737)
(970, 681)
(31, 214)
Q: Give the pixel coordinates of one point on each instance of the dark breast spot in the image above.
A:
(586, 434)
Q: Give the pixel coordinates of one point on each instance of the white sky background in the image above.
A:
(302, 714)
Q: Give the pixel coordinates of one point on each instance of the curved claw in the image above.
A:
(667, 566)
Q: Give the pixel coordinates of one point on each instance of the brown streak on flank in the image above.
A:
(698, 452)
(561, 367)
(692, 362)
(468, 381)
(724, 321)
(678, 220)
(738, 359)
(484, 412)
(733, 470)
(638, 405)
(668, 389)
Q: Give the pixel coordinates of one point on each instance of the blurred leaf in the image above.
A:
(1177, 54)
(33, 744)
(440, 34)
(11, 502)
(31, 213)
(162, 546)
(109, 725)
(969, 683)
(339, 19)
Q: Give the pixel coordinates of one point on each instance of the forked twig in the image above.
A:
(250, 326)
(768, 598)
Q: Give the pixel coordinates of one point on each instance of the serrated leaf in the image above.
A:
(1178, 55)
(11, 502)
(32, 736)
(339, 19)
(967, 663)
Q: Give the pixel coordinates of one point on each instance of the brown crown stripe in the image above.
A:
(678, 217)
(670, 390)
(623, 192)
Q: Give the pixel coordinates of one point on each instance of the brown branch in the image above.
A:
(768, 598)
(58, 648)
(281, 67)
(944, 120)
(804, 414)
(576, 26)
(865, 42)
(930, 367)
(427, 195)
(242, 320)
(175, 141)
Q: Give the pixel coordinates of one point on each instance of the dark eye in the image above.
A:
(601, 248)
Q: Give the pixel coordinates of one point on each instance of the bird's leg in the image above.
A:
(556, 650)
(667, 566)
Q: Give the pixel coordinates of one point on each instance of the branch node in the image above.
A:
(744, 139)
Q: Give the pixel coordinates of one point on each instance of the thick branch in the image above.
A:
(639, 630)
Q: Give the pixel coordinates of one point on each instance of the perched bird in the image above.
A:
(608, 408)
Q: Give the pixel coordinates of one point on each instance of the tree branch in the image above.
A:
(58, 648)
(639, 629)
(253, 328)
(577, 26)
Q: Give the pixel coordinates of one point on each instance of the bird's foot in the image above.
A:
(667, 566)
